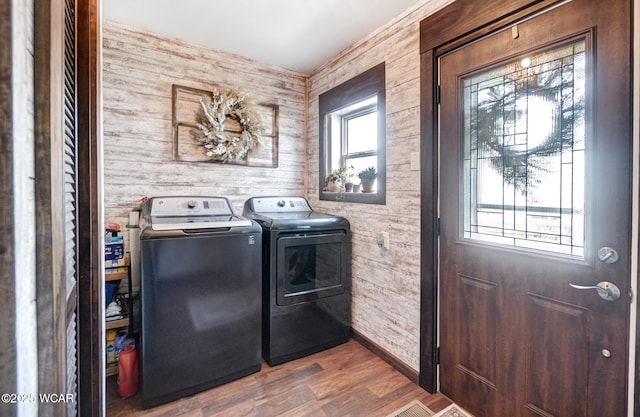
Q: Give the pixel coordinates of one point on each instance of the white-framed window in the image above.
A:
(354, 138)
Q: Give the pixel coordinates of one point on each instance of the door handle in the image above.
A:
(606, 290)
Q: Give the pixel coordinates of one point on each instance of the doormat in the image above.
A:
(452, 411)
(413, 409)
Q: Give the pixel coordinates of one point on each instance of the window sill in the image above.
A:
(359, 197)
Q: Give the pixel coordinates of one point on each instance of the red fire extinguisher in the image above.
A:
(128, 371)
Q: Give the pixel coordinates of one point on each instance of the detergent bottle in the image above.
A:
(128, 371)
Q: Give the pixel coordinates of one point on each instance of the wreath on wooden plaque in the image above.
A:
(211, 132)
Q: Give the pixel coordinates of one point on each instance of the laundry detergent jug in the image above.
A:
(128, 371)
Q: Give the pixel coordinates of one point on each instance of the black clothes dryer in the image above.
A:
(306, 272)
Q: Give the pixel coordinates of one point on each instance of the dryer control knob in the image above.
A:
(281, 203)
(192, 204)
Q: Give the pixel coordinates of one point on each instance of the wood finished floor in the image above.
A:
(348, 380)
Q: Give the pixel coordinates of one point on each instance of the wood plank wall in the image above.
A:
(139, 70)
(386, 283)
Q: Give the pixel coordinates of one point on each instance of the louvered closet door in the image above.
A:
(70, 203)
(55, 128)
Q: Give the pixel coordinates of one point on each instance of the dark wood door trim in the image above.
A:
(90, 372)
(429, 228)
(466, 20)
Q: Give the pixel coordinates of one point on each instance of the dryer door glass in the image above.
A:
(310, 267)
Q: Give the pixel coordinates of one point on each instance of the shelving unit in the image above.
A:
(119, 273)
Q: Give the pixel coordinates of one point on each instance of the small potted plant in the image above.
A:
(342, 173)
(367, 178)
(348, 185)
(332, 183)
(337, 179)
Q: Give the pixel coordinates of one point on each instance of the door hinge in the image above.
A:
(438, 226)
(438, 94)
(437, 358)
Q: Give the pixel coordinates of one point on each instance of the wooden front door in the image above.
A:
(535, 191)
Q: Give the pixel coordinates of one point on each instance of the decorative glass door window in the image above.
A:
(524, 152)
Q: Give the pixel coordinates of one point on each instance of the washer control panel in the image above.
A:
(190, 206)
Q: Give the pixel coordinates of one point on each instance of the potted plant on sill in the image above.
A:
(335, 181)
(368, 178)
(348, 184)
